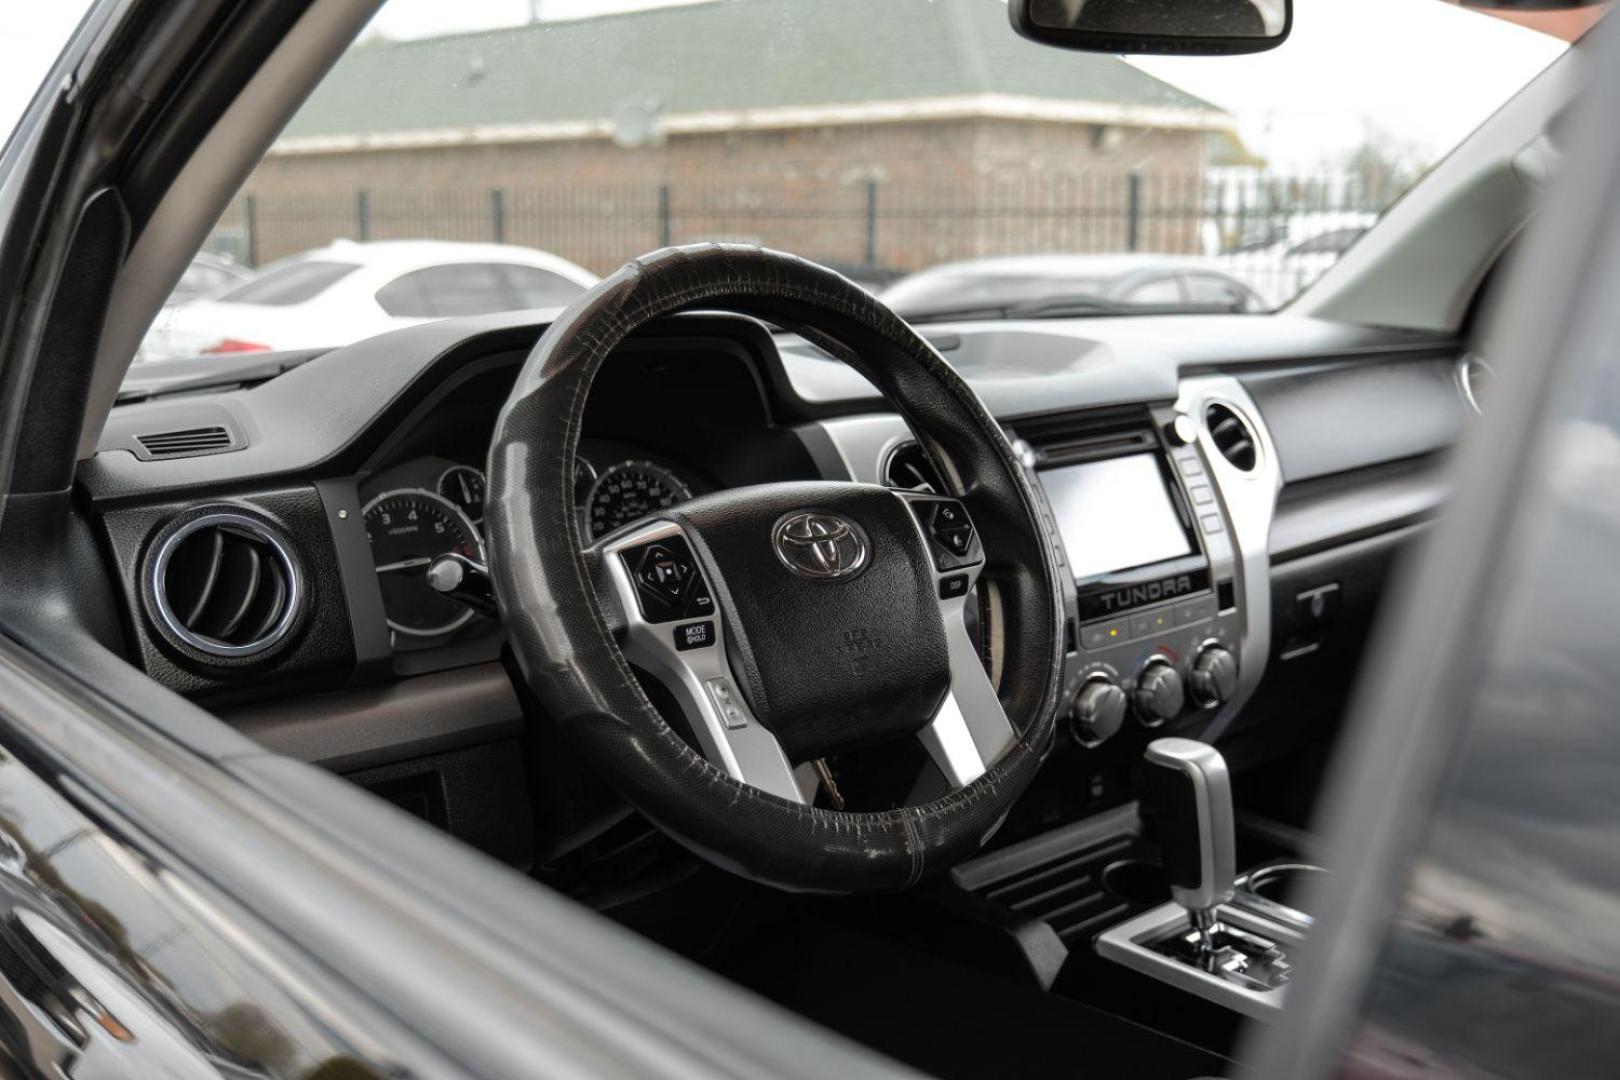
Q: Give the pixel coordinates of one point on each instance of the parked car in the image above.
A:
(208, 275)
(1046, 284)
(348, 291)
(1301, 249)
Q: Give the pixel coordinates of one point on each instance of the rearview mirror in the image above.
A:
(1182, 27)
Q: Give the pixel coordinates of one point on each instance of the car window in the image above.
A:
(1164, 290)
(532, 287)
(443, 291)
(1207, 290)
(294, 283)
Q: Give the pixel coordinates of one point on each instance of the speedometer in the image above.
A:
(409, 529)
(628, 491)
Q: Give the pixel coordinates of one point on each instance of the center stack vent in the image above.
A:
(1232, 436)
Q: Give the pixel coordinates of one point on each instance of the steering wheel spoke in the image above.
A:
(970, 731)
(673, 632)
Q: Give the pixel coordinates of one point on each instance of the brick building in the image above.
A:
(602, 137)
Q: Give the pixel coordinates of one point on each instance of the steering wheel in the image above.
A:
(789, 621)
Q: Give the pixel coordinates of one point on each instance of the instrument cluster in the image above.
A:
(421, 509)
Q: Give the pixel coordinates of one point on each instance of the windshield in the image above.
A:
(917, 146)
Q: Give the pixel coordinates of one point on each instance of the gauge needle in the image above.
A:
(405, 564)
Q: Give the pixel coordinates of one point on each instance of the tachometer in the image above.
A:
(409, 529)
(464, 486)
(628, 491)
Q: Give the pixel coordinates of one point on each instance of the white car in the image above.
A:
(347, 291)
(1010, 286)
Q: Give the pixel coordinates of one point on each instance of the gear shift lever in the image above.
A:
(1192, 795)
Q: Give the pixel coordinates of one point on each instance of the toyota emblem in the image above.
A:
(825, 547)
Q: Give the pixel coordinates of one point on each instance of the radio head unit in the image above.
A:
(1127, 533)
(1140, 527)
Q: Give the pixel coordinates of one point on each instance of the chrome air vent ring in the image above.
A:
(222, 585)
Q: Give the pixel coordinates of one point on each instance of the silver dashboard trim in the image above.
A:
(1249, 502)
(1129, 944)
(970, 731)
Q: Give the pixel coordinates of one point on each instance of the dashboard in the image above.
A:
(429, 506)
(1226, 493)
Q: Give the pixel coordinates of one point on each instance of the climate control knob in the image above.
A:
(1214, 676)
(1159, 695)
(1097, 712)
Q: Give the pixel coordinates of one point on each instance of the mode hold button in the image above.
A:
(698, 635)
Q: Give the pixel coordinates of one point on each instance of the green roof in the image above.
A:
(718, 56)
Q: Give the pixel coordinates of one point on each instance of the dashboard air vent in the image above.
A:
(213, 439)
(1232, 436)
(909, 469)
(223, 583)
(1475, 376)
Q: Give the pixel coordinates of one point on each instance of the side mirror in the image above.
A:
(1176, 27)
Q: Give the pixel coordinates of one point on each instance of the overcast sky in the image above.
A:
(1421, 72)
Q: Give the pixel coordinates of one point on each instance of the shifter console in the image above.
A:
(1232, 955)
(1203, 942)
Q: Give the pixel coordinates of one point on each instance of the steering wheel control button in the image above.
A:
(669, 585)
(951, 535)
(957, 541)
(698, 635)
(664, 573)
(698, 600)
(724, 697)
(1159, 695)
(953, 585)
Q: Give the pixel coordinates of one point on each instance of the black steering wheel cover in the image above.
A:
(544, 577)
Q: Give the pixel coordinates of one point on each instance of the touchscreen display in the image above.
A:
(1114, 515)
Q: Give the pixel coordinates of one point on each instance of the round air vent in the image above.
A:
(909, 469)
(1475, 376)
(1232, 436)
(224, 583)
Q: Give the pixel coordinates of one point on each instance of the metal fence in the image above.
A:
(1259, 225)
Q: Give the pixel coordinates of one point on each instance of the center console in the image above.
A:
(1164, 611)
